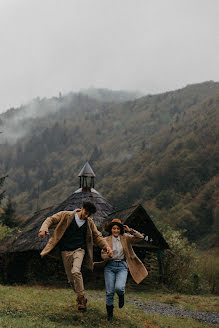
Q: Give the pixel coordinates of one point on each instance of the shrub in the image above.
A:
(4, 231)
(183, 270)
(208, 266)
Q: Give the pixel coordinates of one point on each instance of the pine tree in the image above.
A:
(2, 179)
(8, 217)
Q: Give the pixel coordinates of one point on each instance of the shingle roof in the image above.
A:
(122, 214)
(28, 239)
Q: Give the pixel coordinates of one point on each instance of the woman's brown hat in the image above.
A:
(117, 222)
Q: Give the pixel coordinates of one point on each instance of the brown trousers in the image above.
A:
(72, 261)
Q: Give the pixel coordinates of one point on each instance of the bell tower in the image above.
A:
(87, 177)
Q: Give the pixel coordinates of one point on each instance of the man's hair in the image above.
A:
(89, 206)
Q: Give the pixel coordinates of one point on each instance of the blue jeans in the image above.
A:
(115, 274)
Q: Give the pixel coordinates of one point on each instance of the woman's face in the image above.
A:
(115, 230)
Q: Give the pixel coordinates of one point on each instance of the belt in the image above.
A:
(119, 260)
(123, 262)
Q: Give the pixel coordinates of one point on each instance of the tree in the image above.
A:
(180, 262)
(167, 199)
(95, 154)
(2, 179)
(8, 217)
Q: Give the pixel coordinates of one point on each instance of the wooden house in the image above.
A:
(19, 253)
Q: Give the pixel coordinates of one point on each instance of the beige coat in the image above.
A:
(60, 222)
(136, 267)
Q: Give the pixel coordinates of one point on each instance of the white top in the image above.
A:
(118, 253)
(79, 221)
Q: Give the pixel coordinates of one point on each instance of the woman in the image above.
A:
(123, 259)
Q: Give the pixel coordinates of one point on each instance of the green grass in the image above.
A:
(27, 307)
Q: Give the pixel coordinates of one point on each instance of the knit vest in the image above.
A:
(74, 237)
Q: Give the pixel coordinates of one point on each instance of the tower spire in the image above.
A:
(86, 176)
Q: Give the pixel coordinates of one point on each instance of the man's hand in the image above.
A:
(42, 234)
(109, 251)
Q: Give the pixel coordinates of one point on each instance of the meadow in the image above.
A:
(47, 307)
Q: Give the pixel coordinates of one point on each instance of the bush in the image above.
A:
(183, 267)
(4, 231)
(208, 266)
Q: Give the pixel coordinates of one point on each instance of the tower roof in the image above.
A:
(86, 171)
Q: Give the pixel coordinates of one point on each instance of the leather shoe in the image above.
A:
(82, 303)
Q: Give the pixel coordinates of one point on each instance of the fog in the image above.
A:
(54, 46)
(20, 121)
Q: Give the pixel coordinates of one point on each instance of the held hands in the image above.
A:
(109, 251)
(42, 234)
(126, 228)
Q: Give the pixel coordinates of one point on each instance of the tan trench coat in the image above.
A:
(136, 267)
(60, 222)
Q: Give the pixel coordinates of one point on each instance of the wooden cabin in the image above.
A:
(20, 260)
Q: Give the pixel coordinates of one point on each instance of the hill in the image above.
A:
(160, 150)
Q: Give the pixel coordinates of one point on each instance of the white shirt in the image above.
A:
(79, 221)
(118, 253)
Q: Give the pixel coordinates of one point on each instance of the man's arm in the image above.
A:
(105, 256)
(99, 239)
(50, 222)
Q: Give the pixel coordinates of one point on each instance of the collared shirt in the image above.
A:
(118, 253)
(79, 221)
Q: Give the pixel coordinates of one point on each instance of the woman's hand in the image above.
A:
(43, 233)
(126, 228)
(109, 251)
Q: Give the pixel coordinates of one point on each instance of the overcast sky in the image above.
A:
(52, 46)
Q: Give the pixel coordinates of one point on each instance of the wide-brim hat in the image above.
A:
(117, 222)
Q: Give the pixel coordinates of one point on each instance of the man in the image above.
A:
(74, 233)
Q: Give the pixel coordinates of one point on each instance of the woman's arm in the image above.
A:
(135, 235)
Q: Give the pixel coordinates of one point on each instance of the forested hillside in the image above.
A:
(160, 150)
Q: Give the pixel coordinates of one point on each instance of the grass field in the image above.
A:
(27, 307)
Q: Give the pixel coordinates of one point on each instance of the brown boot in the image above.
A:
(82, 301)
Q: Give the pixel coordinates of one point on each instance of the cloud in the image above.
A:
(52, 45)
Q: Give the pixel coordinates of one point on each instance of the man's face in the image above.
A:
(84, 214)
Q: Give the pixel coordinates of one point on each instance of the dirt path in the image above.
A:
(174, 310)
(170, 309)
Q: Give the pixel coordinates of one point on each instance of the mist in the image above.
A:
(54, 46)
(17, 123)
